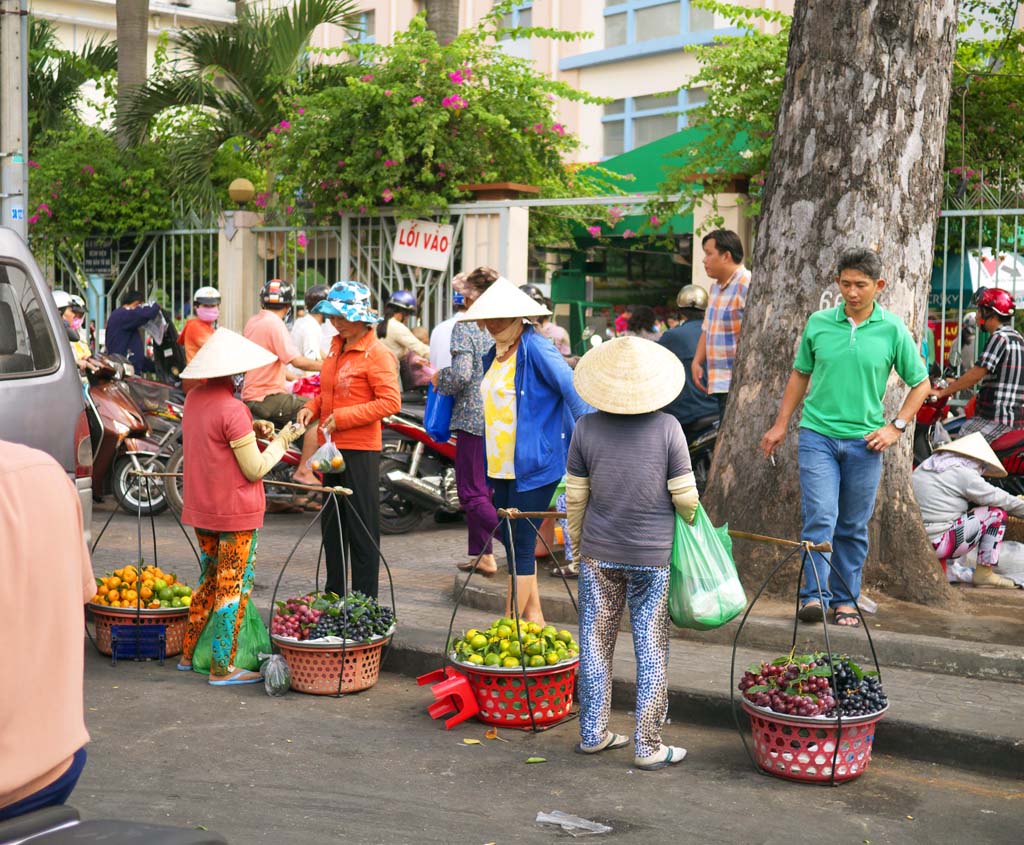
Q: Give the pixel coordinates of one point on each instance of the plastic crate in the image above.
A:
(138, 642)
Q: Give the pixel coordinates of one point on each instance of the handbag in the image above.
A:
(437, 419)
(704, 590)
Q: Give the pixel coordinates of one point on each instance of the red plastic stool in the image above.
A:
(453, 694)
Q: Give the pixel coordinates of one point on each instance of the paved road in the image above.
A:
(373, 768)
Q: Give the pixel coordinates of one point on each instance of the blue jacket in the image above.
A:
(123, 337)
(547, 407)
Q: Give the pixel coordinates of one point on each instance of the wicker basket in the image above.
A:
(802, 748)
(1014, 529)
(315, 667)
(174, 618)
(506, 703)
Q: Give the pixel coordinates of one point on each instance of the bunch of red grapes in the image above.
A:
(789, 689)
(293, 618)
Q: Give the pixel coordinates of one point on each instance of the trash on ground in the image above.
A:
(573, 825)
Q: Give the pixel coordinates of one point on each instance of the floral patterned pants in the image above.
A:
(228, 559)
(980, 528)
(605, 589)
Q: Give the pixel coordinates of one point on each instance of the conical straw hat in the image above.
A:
(503, 299)
(976, 446)
(227, 353)
(629, 375)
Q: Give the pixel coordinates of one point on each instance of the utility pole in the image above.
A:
(14, 114)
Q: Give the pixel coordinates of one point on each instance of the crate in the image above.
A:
(138, 642)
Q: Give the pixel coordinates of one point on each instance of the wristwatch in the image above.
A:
(900, 425)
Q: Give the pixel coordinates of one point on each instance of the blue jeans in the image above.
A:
(838, 483)
(524, 531)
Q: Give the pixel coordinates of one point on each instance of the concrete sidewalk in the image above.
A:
(954, 679)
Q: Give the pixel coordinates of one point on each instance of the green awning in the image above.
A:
(947, 274)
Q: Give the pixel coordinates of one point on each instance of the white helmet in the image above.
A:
(206, 296)
(62, 299)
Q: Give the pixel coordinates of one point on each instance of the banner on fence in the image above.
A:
(422, 243)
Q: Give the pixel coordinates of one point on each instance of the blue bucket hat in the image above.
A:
(350, 300)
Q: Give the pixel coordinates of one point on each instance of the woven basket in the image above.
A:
(315, 667)
(175, 619)
(506, 703)
(802, 748)
(1014, 529)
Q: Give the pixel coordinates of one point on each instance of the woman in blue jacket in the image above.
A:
(530, 409)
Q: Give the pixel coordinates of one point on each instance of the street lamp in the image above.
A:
(241, 191)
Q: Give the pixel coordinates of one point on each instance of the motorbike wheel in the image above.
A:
(922, 444)
(701, 469)
(132, 493)
(398, 515)
(174, 487)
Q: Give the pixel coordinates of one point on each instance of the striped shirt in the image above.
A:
(722, 328)
(1001, 396)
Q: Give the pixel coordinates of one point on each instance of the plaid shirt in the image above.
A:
(722, 328)
(1001, 396)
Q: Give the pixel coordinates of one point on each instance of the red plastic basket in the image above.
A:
(505, 702)
(801, 749)
(175, 620)
(315, 668)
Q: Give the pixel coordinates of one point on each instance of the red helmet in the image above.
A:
(995, 299)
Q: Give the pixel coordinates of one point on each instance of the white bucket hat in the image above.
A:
(629, 375)
(502, 300)
(227, 353)
(976, 446)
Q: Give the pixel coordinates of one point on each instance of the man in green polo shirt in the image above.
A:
(846, 355)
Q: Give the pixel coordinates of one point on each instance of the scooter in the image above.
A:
(417, 474)
(126, 443)
(701, 437)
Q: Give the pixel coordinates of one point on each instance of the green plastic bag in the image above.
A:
(704, 590)
(253, 638)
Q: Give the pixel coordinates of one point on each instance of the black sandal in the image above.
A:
(839, 615)
(811, 612)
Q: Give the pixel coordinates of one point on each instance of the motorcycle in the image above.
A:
(125, 443)
(417, 474)
(701, 437)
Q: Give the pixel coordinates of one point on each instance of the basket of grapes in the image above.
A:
(519, 680)
(813, 716)
(332, 644)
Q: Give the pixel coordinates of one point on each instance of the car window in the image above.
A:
(27, 344)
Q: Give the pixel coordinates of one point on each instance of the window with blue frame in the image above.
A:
(634, 121)
(521, 15)
(636, 21)
(367, 33)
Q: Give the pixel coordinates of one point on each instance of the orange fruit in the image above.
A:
(131, 595)
(146, 592)
(114, 583)
(114, 595)
(169, 579)
(337, 462)
(102, 590)
(153, 605)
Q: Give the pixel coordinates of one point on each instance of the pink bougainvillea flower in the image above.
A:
(655, 220)
(387, 195)
(301, 111)
(285, 125)
(262, 199)
(379, 153)
(289, 209)
(595, 231)
(615, 213)
(276, 130)
(344, 194)
(367, 78)
(416, 100)
(390, 162)
(31, 163)
(454, 102)
(387, 93)
(557, 128)
(88, 168)
(341, 163)
(362, 209)
(43, 207)
(33, 219)
(538, 128)
(456, 77)
(302, 240)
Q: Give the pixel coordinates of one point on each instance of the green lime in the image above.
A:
(514, 649)
(549, 630)
(478, 642)
(185, 590)
(510, 662)
(552, 658)
(492, 660)
(504, 631)
(165, 603)
(166, 594)
(535, 648)
(176, 602)
(565, 636)
(506, 622)
(537, 660)
(472, 632)
(475, 659)
(159, 584)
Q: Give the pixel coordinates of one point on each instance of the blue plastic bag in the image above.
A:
(437, 419)
(704, 590)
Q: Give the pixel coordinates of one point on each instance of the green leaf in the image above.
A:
(857, 671)
(760, 688)
(755, 668)
(782, 661)
(820, 672)
(536, 759)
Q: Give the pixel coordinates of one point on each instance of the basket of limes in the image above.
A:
(518, 671)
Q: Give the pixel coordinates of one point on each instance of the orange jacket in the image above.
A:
(359, 386)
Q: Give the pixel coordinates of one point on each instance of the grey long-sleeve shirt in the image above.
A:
(946, 496)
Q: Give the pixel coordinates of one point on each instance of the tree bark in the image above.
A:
(443, 19)
(856, 161)
(132, 49)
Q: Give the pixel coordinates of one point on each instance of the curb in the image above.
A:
(962, 658)
(415, 652)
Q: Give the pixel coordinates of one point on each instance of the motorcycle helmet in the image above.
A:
(206, 296)
(536, 294)
(404, 299)
(62, 299)
(995, 299)
(277, 294)
(314, 295)
(692, 296)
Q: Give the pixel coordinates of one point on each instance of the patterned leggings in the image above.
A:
(980, 528)
(605, 588)
(228, 559)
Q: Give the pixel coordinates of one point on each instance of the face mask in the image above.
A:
(76, 322)
(506, 338)
(208, 313)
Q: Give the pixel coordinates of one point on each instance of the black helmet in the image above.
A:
(536, 294)
(315, 294)
(277, 294)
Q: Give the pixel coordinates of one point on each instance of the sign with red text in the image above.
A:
(423, 244)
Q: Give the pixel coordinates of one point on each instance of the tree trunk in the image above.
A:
(856, 161)
(132, 47)
(443, 19)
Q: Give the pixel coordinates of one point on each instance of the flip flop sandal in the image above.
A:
(671, 758)
(183, 668)
(239, 676)
(839, 615)
(570, 570)
(811, 613)
(609, 743)
(469, 567)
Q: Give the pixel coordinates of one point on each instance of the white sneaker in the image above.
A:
(667, 755)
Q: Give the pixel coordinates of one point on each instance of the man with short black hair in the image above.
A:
(124, 335)
(716, 349)
(846, 355)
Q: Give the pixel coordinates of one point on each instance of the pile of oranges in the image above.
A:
(151, 588)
